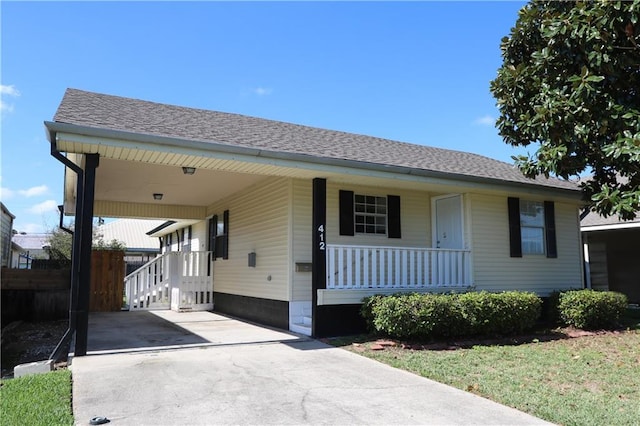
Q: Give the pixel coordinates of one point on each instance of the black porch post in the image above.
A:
(75, 255)
(86, 236)
(319, 256)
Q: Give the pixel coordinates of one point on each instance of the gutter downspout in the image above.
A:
(75, 251)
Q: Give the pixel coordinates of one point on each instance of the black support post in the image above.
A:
(319, 254)
(85, 232)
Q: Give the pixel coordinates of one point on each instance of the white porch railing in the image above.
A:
(176, 280)
(367, 267)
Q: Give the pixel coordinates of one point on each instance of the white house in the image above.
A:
(27, 248)
(292, 226)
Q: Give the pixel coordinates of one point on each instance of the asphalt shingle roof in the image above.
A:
(594, 219)
(132, 115)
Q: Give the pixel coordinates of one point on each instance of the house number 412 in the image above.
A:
(321, 237)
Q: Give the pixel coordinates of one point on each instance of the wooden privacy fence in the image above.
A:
(107, 280)
(35, 295)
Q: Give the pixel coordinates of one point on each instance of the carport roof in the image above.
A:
(219, 129)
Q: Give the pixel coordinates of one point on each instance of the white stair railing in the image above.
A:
(366, 267)
(176, 280)
(194, 290)
(148, 286)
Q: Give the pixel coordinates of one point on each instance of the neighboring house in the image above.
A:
(6, 232)
(612, 254)
(292, 226)
(139, 247)
(30, 247)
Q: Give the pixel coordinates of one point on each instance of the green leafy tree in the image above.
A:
(61, 242)
(570, 85)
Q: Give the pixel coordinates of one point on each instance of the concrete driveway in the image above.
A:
(167, 368)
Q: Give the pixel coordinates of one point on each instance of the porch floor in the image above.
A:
(113, 332)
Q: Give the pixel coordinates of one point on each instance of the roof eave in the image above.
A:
(55, 127)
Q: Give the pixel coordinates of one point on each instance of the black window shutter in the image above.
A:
(515, 238)
(346, 213)
(213, 232)
(225, 244)
(550, 229)
(393, 216)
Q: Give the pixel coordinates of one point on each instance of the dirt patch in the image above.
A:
(24, 342)
(371, 343)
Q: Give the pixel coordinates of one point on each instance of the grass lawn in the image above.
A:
(41, 399)
(588, 380)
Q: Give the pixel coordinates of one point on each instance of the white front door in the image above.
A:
(448, 222)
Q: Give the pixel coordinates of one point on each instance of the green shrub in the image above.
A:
(424, 316)
(500, 313)
(366, 310)
(590, 309)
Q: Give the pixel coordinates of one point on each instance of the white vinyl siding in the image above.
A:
(258, 222)
(199, 236)
(495, 270)
(302, 238)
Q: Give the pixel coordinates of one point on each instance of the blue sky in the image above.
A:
(415, 72)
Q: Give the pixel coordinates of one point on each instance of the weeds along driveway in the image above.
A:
(278, 378)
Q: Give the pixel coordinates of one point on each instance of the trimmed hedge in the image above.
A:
(424, 315)
(590, 309)
(509, 312)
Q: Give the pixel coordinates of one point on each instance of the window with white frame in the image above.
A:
(532, 227)
(370, 214)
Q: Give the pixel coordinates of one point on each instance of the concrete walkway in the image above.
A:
(166, 368)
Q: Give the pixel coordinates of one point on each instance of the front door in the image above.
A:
(448, 222)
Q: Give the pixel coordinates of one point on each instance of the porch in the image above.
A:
(363, 267)
(355, 272)
(184, 280)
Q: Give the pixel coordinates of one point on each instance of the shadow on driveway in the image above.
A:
(116, 332)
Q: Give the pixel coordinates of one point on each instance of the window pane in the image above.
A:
(532, 240)
(531, 213)
(370, 214)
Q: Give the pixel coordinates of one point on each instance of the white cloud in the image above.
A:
(9, 90)
(5, 193)
(44, 207)
(5, 107)
(29, 228)
(34, 191)
(485, 120)
(263, 91)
